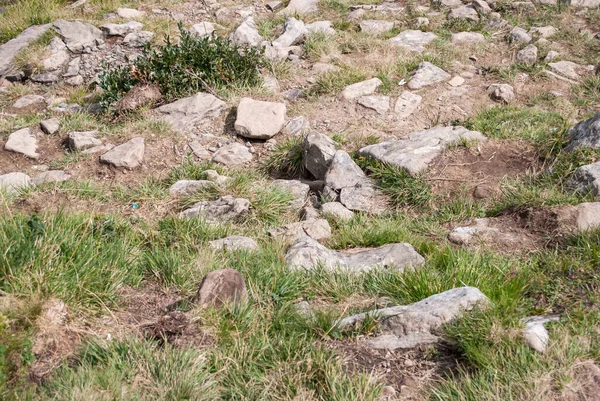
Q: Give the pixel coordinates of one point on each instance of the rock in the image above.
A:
(375, 27)
(294, 33)
(336, 211)
(585, 134)
(358, 89)
(317, 229)
(297, 189)
(79, 36)
(274, 5)
(501, 93)
(421, 22)
(426, 75)
(309, 213)
(138, 39)
(535, 334)
(232, 154)
(585, 3)
(259, 120)
(74, 81)
(246, 34)
(319, 150)
(343, 172)
(364, 197)
(462, 235)
(356, 15)
(10, 49)
(221, 287)
(271, 84)
(45, 78)
(543, 31)
(300, 7)
(551, 56)
(185, 114)
(322, 68)
(528, 55)
(481, 7)
(52, 176)
(463, 12)
(23, 141)
(12, 183)
(128, 155)
(407, 104)
(189, 187)
(416, 151)
(450, 3)
(73, 68)
(413, 40)
(130, 13)
(98, 149)
(29, 104)
(58, 55)
(296, 126)
(407, 326)
(324, 27)
(381, 104)
(587, 179)
(141, 95)
(222, 210)
(50, 126)
(235, 243)
(467, 37)
(220, 180)
(203, 29)
(518, 35)
(83, 140)
(306, 253)
(121, 29)
(567, 69)
(588, 216)
(456, 81)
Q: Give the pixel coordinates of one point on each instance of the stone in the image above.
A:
(45, 78)
(300, 7)
(221, 287)
(518, 35)
(307, 254)
(543, 31)
(235, 243)
(52, 176)
(12, 183)
(462, 235)
(587, 179)
(417, 150)
(294, 33)
(407, 104)
(298, 190)
(343, 172)
(426, 75)
(24, 142)
(356, 15)
(359, 89)
(73, 68)
(203, 29)
(364, 197)
(81, 140)
(139, 96)
(259, 120)
(29, 104)
(406, 326)
(324, 27)
(128, 155)
(463, 12)
(456, 81)
(501, 93)
(138, 39)
(376, 27)
(588, 216)
(450, 3)
(189, 187)
(222, 210)
(318, 150)
(185, 114)
(413, 40)
(421, 22)
(586, 134)
(585, 3)
(271, 84)
(381, 104)
(274, 5)
(535, 334)
(79, 36)
(523, 6)
(50, 126)
(567, 69)
(220, 180)
(98, 149)
(336, 211)
(10, 49)
(58, 55)
(467, 37)
(317, 229)
(528, 55)
(130, 13)
(481, 7)
(309, 213)
(232, 154)
(121, 29)
(246, 34)
(296, 126)
(551, 56)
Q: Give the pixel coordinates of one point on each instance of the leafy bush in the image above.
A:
(181, 69)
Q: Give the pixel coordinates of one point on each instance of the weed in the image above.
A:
(287, 158)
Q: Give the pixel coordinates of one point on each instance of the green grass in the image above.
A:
(21, 15)
(286, 159)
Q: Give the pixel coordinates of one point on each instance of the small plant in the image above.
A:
(286, 159)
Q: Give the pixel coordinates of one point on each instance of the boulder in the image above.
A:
(297, 189)
(235, 243)
(586, 134)
(413, 40)
(407, 104)
(246, 34)
(23, 141)
(343, 172)
(319, 150)
(336, 211)
(58, 55)
(10, 49)
(221, 287)
(129, 155)
(222, 210)
(518, 35)
(189, 187)
(12, 183)
(426, 75)
(232, 154)
(79, 36)
(375, 27)
(185, 114)
(259, 120)
(358, 89)
(81, 140)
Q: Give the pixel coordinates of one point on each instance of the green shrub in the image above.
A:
(181, 69)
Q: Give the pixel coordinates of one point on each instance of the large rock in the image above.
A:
(358, 89)
(585, 134)
(23, 141)
(10, 49)
(297, 189)
(567, 69)
(343, 172)
(58, 55)
(528, 55)
(518, 35)
(185, 114)
(235, 243)
(11, 183)
(413, 40)
(189, 187)
(364, 197)
(407, 326)
(128, 155)
(232, 154)
(121, 29)
(294, 33)
(222, 210)
(79, 36)
(306, 253)
(375, 27)
(81, 140)
(221, 287)
(259, 120)
(407, 104)
(246, 34)
(29, 104)
(319, 150)
(300, 7)
(317, 229)
(416, 151)
(426, 75)
(587, 179)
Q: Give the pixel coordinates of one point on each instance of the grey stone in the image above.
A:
(309, 213)
(456, 81)
(543, 31)
(356, 15)
(294, 33)
(221, 287)
(300, 7)
(337, 211)
(416, 151)
(274, 5)
(421, 22)
(246, 34)
(588, 216)
(235, 243)
(467, 37)
(407, 104)
(306, 253)
(324, 27)
(220, 180)
(259, 120)
(45, 78)
(364, 197)
(50, 126)
(551, 56)
(297, 189)
(23, 141)
(523, 6)
(381, 104)
(567, 69)
(98, 149)
(138, 39)
(518, 35)
(12, 183)
(129, 154)
(73, 68)
(358, 89)
(375, 27)
(585, 134)
(185, 114)
(481, 7)
(10, 49)
(52, 176)
(343, 172)
(462, 235)
(130, 13)
(426, 75)
(58, 55)
(501, 93)
(585, 3)
(29, 103)
(535, 334)
(317, 229)
(296, 126)
(528, 55)
(222, 210)
(79, 36)
(319, 150)
(463, 12)
(189, 187)
(413, 40)
(450, 3)
(232, 154)
(587, 179)
(121, 29)
(83, 140)
(203, 29)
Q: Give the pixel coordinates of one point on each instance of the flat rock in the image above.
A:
(79, 36)
(50, 126)
(585, 134)
(501, 93)
(306, 253)
(185, 114)
(203, 29)
(343, 172)
(297, 189)
(381, 104)
(128, 155)
(81, 140)
(235, 243)
(189, 187)
(467, 37)
(294, 32)
(52, 176)
(246, 34)
(222, 210)
(58, 55)
(417, 150)
(300, 7)
(407, 104)
(29, 104)
(322, 68)
(10, 49)
(337, 211)
(359, 89)
(221, 287)
(413, 40)
(296, 126)
(543, 31)
(528, 55)
(12, 183)
(121, 29)
(426, 75)
(364, 197)
(518, 35)
(318, 150)
(23, 141)
(375, 27)
(138, 39)
(463, 12)
(317, 229)
(232, 154)
(259, 120)
(567, 69)
(407, 326)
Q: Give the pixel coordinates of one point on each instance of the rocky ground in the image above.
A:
(405, 206)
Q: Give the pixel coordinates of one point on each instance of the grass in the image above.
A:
(286, 159)
(19, 16)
